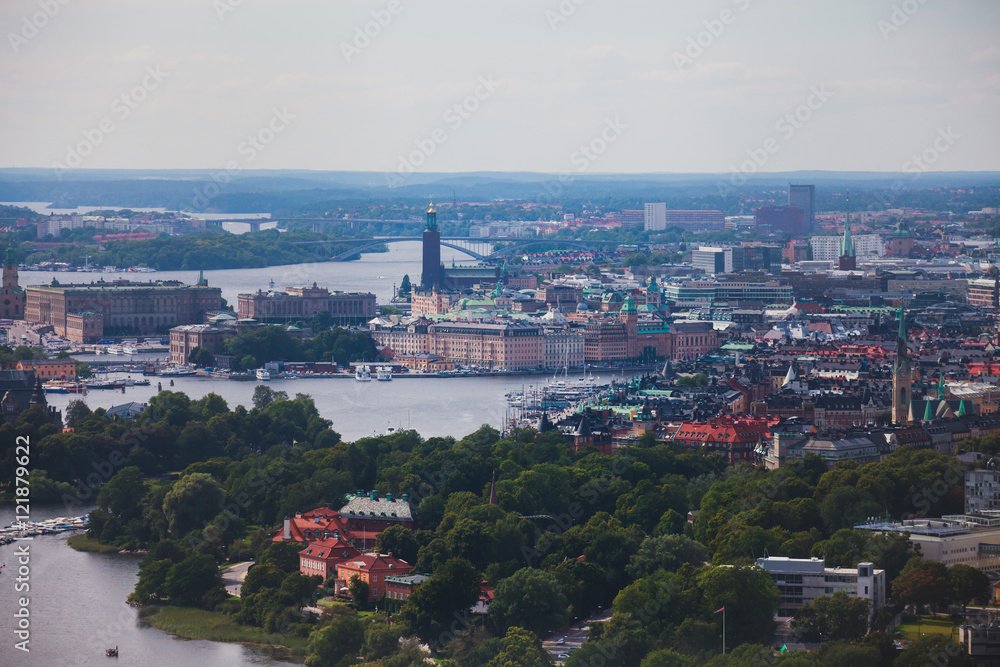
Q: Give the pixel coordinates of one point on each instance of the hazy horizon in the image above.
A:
(520, 86)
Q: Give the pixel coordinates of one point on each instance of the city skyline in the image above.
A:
(442, 86)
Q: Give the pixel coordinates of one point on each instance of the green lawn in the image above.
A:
(192, 623)
(83, 543)
(928, 625)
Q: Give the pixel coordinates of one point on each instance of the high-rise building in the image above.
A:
(13, 295)
(804, 197)
(712, 260)
(789, 220)
(430, 276)
(655, 217)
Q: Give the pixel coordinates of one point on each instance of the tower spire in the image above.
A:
(901, 399)
(848, 256)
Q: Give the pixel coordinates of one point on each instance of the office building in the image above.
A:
(982, 491)
(659, 218)
(804, 197)
(712, 260)
(790, 220)
(633, 219)
(655, 218)
(801, 580)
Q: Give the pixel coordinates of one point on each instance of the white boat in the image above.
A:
(263, 374)
(384, 373)
(363, 374)
(115, 349)
(130, 349)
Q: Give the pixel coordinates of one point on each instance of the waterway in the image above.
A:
(77, 599)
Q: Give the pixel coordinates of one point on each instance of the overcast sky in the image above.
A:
(621, 76)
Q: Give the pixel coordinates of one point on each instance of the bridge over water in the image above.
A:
(479, 248)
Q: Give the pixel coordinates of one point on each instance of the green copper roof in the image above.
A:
(961, 409)
(928, 413)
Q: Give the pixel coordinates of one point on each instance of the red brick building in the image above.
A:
(323, 556)
(372, 568)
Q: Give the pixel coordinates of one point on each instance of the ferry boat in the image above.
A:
(263, 374)
(62, 387)
(115, 349)
(363, 374)
(129, 349)
(175, 371)
(383, 373)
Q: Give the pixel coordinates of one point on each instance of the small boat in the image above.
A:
(111, 652)
(263, 374)
(116, 350)
(384, 373)
(130, 349)
(363, 374)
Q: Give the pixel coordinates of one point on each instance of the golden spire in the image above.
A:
(431, 209)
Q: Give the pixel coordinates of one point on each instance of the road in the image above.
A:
(233, 577)
(573, 638)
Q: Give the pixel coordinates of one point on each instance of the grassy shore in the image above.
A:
(83, 543)
(192, 623)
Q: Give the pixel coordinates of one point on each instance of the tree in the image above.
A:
(337, 644)
(520, 648)
(195, 581)
(530, 598)
(666, 551)
(76, 412)
(122, 496)
(748, 593)
(359, 590)
(405, 288)
(967, 584)
(263, 396)
(935, 650)
(192, 501)
(431, 608)
(667, 658)
(398, 541)
(202, 357)
(833, 617)
(922, 583)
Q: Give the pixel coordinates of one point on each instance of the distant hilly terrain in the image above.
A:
(293, 192)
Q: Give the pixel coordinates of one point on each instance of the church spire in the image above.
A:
(901, 399)
(848, 256)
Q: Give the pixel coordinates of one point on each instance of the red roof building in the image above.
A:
(372, 568)
(734, 439)
(322, 557)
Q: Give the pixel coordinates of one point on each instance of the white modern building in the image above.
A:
(866, 246)
(982, 490)
(656, 216)
(801, 580)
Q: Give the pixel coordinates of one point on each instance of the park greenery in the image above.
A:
(249, 349)
(198, 484)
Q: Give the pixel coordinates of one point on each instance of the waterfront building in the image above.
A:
(85, 313)
(509, 345)
(13, 295)
(184, 339)
(48, 369)
(564, 348)
(801, 580)
(298, 303)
